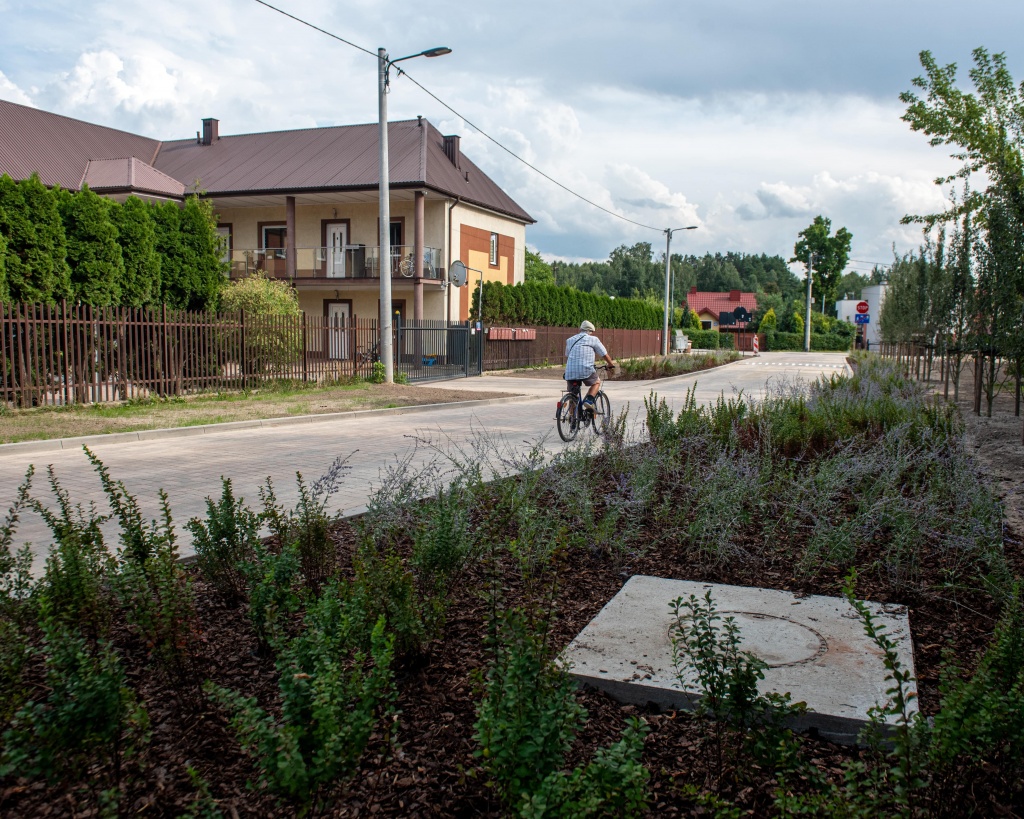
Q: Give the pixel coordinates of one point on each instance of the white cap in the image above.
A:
(587, 326)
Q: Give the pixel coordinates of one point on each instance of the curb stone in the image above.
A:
(57, 444)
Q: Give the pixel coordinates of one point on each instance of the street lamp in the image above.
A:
(384, 63)
(668, 272)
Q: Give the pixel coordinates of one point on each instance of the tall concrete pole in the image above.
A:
(807, 317)
(668, 272)
(384, 266)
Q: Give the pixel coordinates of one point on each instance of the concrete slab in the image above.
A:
(815, 648)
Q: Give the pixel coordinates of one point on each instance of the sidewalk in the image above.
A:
(189, 468)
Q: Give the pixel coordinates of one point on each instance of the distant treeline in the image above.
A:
(57, 244)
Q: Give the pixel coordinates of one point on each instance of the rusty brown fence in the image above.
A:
(508, 348)
(55, 355)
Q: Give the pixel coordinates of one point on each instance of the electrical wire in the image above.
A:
(468, 122)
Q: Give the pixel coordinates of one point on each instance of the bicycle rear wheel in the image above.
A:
(568, 418)
(602, 414)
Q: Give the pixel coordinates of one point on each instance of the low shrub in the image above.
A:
(333, 696)
(705, 339)
(225, 542)
(820, 342)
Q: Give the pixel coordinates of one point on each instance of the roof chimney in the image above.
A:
(210, 129)
(734, 295)
(693, 290)
(451, 150)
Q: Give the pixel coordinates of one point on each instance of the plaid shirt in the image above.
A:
(580, 352)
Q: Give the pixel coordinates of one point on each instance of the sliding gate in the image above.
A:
(429, 350)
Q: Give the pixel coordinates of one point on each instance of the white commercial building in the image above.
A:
(846, 309)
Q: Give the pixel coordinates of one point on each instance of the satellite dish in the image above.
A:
(457, 274)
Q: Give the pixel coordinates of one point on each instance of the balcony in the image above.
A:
(323, 264)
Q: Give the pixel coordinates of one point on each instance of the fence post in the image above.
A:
(241, 352)
(305, 350)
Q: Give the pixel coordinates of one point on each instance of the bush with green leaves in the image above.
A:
(614, 785)
(89, 713)
(271, 345)
(528, 716)
(706, 652)
(225, 543)
(308, 525)
(333, 696)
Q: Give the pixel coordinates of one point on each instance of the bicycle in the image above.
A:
(571, 414)
(368, 356)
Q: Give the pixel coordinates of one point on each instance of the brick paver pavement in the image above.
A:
(189, 469)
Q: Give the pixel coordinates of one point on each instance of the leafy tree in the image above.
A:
(769, 322)
(136, 234)
(93, 252)
(851, 284)
(189, 247)
(537, 270)
(830, 254)
(986, 128)
(35, 263)
(5, 293)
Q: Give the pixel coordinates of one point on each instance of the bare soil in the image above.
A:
(997, 445)
(99, 419)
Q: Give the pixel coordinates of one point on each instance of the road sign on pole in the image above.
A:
(862, 318)
(862, 307)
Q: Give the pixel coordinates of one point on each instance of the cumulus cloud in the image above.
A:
(10, 92)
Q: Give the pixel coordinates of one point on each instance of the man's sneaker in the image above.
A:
(588, 402)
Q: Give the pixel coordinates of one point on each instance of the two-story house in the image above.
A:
(303, 205)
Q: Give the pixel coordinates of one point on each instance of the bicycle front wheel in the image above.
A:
(602, 414)
(568, 418)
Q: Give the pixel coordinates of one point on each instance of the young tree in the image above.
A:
(93, 253)
(830, 254)
(136, 234)
(985, 128)
(537, 270)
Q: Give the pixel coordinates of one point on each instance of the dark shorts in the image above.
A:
(590, 380)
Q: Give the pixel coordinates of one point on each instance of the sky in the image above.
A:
(747, 118)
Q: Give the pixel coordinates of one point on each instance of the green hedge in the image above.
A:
(548, 305)
(820, 342)
(707, 339)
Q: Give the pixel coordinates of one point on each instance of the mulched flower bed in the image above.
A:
(432, 771)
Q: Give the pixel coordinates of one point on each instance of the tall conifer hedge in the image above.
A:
(548, 305)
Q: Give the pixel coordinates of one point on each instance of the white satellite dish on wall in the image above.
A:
(458, 274)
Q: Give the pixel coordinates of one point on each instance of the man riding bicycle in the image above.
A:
(580, 353)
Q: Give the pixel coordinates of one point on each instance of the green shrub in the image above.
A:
(613, 785)
(75, 587)
(820, 342)
(528, 716)
(89, 713)
(225, 542)
(333, 696)
(705, 339)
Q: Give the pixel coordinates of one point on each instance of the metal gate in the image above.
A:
(428, 350)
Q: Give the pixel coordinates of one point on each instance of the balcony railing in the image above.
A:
(327, 263)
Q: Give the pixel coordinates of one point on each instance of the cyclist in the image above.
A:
(580, 353)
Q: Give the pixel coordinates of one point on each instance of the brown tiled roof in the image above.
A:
(129, 174)
(58, 148)
(701, 300)
(64, 151)
(336, 158)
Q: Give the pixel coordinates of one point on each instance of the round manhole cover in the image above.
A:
(778, 641)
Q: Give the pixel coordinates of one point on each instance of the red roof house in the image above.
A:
(709, 306)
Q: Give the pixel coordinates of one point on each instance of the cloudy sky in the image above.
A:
(744, 117)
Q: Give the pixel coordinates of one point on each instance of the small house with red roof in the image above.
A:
(710, 306)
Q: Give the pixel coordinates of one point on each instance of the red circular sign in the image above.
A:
(862, 307)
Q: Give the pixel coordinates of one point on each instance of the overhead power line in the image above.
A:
(468, 122)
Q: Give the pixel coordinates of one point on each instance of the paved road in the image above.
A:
(189, 469)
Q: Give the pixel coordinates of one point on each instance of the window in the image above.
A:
(494, 249)
(705, 325)
(224, 232)
(396, 237)
(275, 240)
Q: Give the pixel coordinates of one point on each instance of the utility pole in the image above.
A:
(384, 194)
(807, 318)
